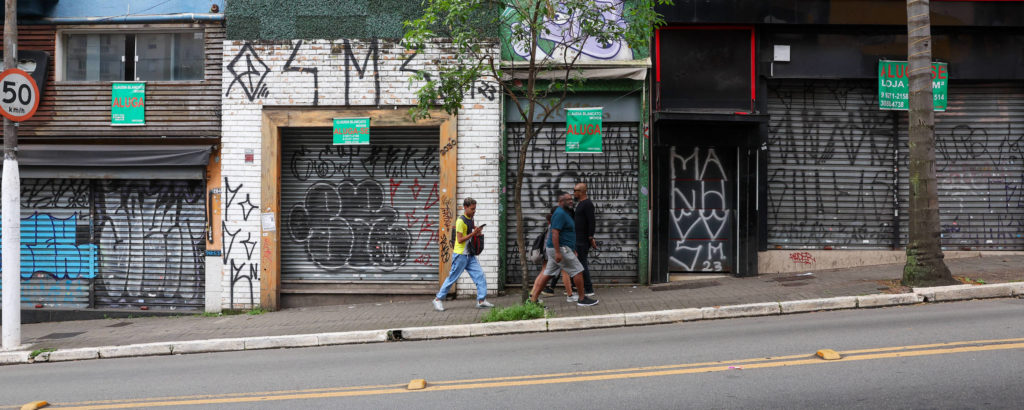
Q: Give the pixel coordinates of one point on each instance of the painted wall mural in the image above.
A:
(563, 32)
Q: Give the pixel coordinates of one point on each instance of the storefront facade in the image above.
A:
(117, 215)
(308, 222)
(821, 180)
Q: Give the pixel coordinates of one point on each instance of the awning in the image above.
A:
(113, 155)
(113, 161)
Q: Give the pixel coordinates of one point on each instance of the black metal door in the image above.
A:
(702, 209)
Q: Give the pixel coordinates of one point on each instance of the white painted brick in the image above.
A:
(64, 355)
(204, 346)
(870, 301)
(753, 309)
(500, 328)
(586, 322)
(274, 342)
(963, 292)
(14, 357)
(663, 316)
(145, 349)
(435, 332)
(812, 305)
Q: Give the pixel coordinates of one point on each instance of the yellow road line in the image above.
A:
(558, 378)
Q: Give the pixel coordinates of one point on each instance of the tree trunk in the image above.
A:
(925, 265)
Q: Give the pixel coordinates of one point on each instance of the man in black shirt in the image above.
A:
(586, 225)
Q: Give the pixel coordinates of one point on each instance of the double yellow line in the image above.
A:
(555, 378)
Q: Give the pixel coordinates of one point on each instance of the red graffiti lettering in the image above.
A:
(802, 257)
(416, 188)
(433, 194)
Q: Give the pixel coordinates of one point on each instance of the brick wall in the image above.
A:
(255, 76)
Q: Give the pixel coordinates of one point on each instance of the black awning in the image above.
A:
(113, 155)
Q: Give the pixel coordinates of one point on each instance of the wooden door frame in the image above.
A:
(274, 118)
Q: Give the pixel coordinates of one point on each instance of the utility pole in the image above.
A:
(10, 198)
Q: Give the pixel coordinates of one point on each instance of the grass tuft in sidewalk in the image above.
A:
(526, 311)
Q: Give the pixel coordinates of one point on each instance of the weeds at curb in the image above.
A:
(524, 311)
(38, 352)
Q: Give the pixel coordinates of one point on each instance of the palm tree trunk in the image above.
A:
(925, 265)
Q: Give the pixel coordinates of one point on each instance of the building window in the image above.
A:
(115, 56)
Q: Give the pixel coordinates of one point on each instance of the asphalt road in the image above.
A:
(952, 355)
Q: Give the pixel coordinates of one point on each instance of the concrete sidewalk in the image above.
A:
(760, 295)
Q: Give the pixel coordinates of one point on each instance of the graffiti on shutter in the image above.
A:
(979, 167)
(611, 179)
(360, 212)
(152, 244)
(57, 260)
(831, 166)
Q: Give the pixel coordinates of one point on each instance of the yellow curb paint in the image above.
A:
(417, 384)
(613, 374)
(34, 405)
(828, 354)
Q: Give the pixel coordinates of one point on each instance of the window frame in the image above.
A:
(62, 52)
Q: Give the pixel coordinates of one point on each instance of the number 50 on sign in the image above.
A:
(19, 95)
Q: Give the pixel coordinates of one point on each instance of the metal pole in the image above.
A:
(10, 200)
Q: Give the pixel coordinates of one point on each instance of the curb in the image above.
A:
(919, 295)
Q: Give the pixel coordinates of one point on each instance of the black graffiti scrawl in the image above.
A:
(249, 71)
(349, 225)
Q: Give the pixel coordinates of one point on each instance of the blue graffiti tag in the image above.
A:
(48, 246)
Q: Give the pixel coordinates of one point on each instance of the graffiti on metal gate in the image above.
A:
(611, 181)
(700, 212)
(365, 209)
(152, 240)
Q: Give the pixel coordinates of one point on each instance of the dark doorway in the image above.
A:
(702, 209)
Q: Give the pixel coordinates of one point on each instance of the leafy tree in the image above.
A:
(925, 265)
(539, 83)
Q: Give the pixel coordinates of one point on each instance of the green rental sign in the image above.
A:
(583, 130)
(894, 85)
(351, 131)
(128, 103)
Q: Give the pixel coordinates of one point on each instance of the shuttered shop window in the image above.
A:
(611, 178)
(979, 166)
(831, 166)
(360, 212)
(152, 240)
(137, 242)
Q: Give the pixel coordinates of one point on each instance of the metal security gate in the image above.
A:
(611, 178)
(58, 262)
(831, 169)
(152, 240)
(362, 212)
(113, 243)
(979, 167)
(702, 209)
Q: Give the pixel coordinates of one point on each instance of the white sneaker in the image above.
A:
(590, 294)
(484, 304)
(438, 306)
(572, 299)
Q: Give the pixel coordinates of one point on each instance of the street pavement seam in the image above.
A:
(919, 295)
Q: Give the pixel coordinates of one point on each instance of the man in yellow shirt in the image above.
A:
(463, 260)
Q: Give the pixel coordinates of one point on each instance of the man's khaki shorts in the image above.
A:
(570, 263)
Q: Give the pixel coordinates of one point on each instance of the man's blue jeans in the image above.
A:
(468, 263)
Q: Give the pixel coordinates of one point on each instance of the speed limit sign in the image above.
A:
(19, 95)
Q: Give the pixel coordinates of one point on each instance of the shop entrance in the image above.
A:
(702, 209)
